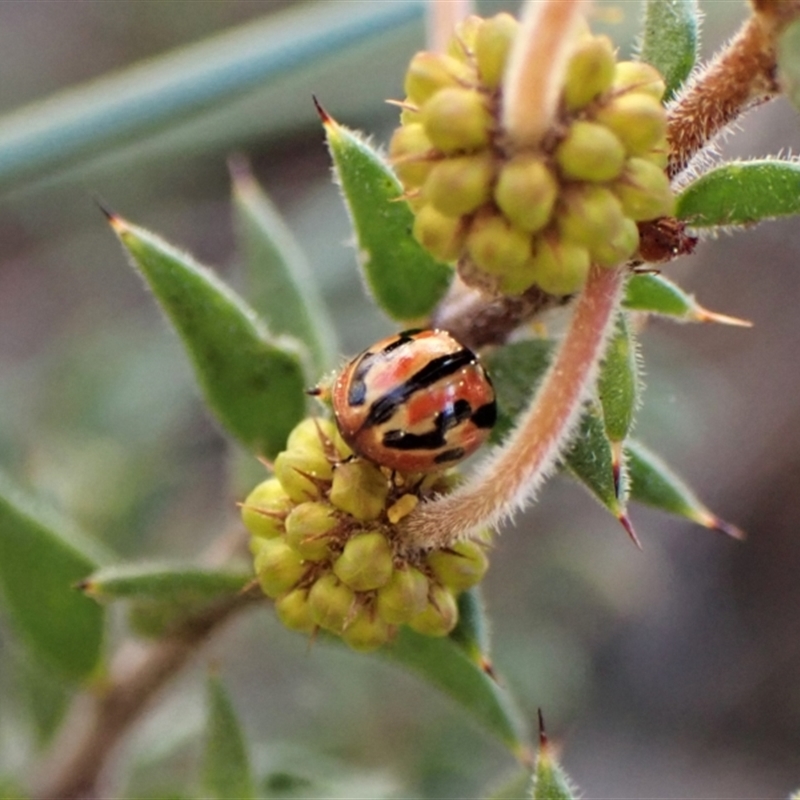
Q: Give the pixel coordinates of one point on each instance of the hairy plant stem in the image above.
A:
(99, 720)
(511, 478)
(443, 16)
(741, 76)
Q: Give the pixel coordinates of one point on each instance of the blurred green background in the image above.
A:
(667, 673)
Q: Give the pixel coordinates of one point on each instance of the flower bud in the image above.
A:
(403, 597)
(299, 472)
(412, 155)
(457, 186)
(619, 248)
(331, 603)
(294, 611)
(590, 215)
(360, 489)
(366, 562)
(460, 567)
(278, 567)
(526, 191)
(638, 120)
(311, 435)
(462, 44)
(306, 527)
(457, 119)
(367, 631)
(440, 615)
(265, 509)
(496, 246)
(638, 76)
(644, 191)
(443, 236)
(493, 42)
(559, 267)
(590, 71)
(428, 73)
(590, 152)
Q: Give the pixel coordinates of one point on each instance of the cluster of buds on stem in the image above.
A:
(518, 217)
(326, 546)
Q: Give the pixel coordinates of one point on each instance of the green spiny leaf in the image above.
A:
(653, 483)
(618, 385)
(443, 663)
(253, 382)
(404, 278)
(226, 765)
(516, 371)
(472, 631)
(656, 294)
(41, 560)
(550, 782)
(282, 286)
(669, 40)
(741, 193)
(789, 62)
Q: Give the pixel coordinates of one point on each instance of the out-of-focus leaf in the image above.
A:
(519, 786)
(618, 384)
(789, 62)
(281, 284)
(669, 40)
(443, 663)
(41, 559)
(653, 483)
(254, 382)
(228, 89)
(516, 370)
(226, 765)
(656, 294)
(741, 193)
(404, 278)
(11, 790)
(44, 695)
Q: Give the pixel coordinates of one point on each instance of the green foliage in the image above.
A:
(741, 193)
(253, 381)
(618, 384)
(226, 764)
(670, 40)
(40, 563)
(405, 280)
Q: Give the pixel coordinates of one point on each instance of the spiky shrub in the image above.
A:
(549, 176)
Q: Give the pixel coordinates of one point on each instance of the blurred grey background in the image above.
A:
(666, 673)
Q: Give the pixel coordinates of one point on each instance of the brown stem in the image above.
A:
(137, 675)
(511, 478)
(742, 75)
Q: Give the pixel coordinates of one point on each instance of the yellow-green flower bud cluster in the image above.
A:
(326, 547)
(515, 219)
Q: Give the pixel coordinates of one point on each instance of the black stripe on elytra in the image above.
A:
(452, 416)
(436, 369)
(357, 390)
(454, 454)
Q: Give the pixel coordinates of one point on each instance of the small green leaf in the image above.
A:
(404, 278)
(158, 581)
(789, 62)
(669, 40)
(253, 382)
(281, 283)
(41, 559)
(618, 385)
(653, 483)
(656, 294)
(226, 766)
(550, 782)
(443, 662)
(741, 193)
(516, 370)
(163, 595)
(472, 630)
